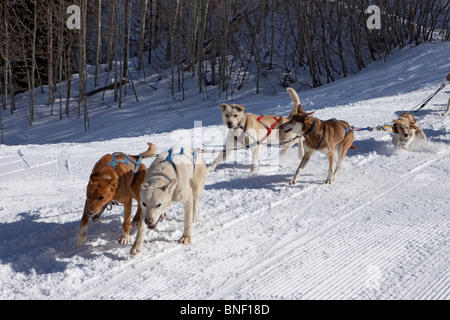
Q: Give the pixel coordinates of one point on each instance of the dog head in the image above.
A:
(155, 201)
(404, 127)
(99, 193)
(233, 116)
(298, 124)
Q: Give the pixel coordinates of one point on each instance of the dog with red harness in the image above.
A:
(250, 131)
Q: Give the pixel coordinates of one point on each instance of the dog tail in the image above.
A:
(296, 101)
(150, 151)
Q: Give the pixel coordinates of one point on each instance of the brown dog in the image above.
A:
(115, 177)
(406, 130)
(329, 137)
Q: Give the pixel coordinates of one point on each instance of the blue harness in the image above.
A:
(173, 154)
(113, 163)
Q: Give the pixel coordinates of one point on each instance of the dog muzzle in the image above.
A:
(97, 216)
(152, 226)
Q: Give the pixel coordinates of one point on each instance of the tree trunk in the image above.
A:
(33, 64)
(144, 5)
(127, 42)
(99, 41)
(50, 53)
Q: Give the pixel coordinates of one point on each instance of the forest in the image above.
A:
(221, 43)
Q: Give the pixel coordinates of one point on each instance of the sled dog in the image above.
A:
(332, 137)
(406, 130)
(179, 175)
(250, 131)
(115, 177)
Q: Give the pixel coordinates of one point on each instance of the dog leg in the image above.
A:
(340, 156)
(255, 156)
(301, 150)
(137, 246)
(136, 191)
(82, 232)
(330, 166)
(408, 141)
(303, 163)
(186, 238)
(124, 238)
(396, 139)
(196, 202)
(137, 217)
(421, 135)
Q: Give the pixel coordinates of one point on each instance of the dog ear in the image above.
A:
(224, 106)
(170, 187)
(113, 183)
(239, 107)
(309, 114)
(394, 126)
(93, 177)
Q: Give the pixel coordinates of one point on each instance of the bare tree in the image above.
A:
(99, 41)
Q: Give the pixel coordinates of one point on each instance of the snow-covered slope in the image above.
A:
(381, 231)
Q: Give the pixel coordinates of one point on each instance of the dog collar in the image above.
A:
(311, 128)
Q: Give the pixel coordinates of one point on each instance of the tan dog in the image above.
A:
(329, 137)
(250, 131)
(179, 175)
(115, 177)
(406, 130)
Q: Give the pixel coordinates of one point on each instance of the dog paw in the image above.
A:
(81, 237)
(80, 240)
(185, 240)
(124, 239)
(134, 250)
(328, 181)
(292, 182)
(254, 170)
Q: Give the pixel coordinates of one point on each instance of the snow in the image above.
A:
(381, 231)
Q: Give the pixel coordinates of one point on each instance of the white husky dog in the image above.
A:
(179, 175)
(250, 131)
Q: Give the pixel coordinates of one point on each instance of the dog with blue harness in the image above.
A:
(176, 175)
(115, 177)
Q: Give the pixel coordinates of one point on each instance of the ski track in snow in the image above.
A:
(286, 245)
(381, 231)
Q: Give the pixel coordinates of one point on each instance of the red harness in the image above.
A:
(269, 129)
(240, 139)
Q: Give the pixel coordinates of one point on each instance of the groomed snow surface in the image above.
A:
(381, 231)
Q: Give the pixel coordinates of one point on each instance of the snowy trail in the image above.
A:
(288, 243)
(381, 231)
